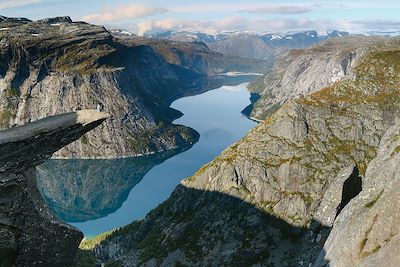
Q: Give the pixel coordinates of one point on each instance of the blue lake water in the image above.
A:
(100, 195)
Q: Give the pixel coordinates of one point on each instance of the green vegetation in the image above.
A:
(88, 244)
(372, 203)
(149, 140)
(83, 58)
(112, 263)
(144, 142)
(244, 189)
(84, 139)
(365, 239)
(5, 116)
(84, 258)
(396, 151)
(12, 92)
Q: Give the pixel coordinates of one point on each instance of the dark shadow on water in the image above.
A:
(78, 190)
(254, 97)
(205, 225)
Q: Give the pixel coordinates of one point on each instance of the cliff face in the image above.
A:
(30, 234)
(366, 233)
(272, 198)
(301, 72)
(56, 65)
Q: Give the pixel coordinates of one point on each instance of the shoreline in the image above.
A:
(185, 94)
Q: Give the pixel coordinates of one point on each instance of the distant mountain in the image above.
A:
(252, 45)
(184, 36)
(121, 32)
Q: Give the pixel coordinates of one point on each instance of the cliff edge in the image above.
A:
(30, 235)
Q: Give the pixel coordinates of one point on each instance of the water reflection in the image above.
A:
(79, 190)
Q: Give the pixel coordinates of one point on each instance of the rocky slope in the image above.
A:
(30, 234)
(272, 198)
(301, 72)
(56, 65)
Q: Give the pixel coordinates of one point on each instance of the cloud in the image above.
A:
(150, 26)
(376, 24)
(254, 8)
(281, 10)
(239, 23)
(123, 13)
(229, 24)
(17, 3)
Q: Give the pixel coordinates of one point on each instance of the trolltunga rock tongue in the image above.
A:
(30, 235)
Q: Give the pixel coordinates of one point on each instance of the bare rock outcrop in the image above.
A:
(30, 234)
(366, 233)
(302, 72)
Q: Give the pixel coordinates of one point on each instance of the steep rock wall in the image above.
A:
(30, 234)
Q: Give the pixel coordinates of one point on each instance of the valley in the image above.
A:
(273, 197)
(101, 195)
(193, 142)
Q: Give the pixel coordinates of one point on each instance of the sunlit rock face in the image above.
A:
(299, 73)
(30, 233)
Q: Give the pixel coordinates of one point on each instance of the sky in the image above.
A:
(213, 16)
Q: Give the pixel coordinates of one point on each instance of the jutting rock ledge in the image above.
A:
(30, 235)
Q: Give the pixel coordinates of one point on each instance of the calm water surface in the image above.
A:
(100, 195)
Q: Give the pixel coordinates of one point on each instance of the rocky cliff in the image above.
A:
(366, 233)
(30, 234)
(301, 72)
(272, 198)
(56, 65)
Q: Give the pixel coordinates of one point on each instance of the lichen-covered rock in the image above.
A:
(31, 234)
(366, 233)
(302, 72)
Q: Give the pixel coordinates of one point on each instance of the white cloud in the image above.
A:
(124, 12)
(376, 24)
(281, 9)
(254, 8)
(17, 3)
(229, 24)
(150, 26)
(239, 23)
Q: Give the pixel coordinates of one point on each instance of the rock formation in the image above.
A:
(302, 72)
(366, 233)
(272, 198)
(30, 235)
